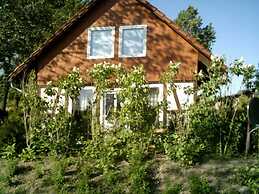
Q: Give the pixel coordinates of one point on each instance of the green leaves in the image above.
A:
(247, 71)
(190, 22)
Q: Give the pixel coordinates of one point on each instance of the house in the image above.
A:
(117, 31)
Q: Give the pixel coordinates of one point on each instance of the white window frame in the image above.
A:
(88, 88)
(160, 87)
(105, 123)
(144, 40)
(89, 40)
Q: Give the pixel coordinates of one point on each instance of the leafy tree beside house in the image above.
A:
(191, 22)
(257, 79)
(24, 25)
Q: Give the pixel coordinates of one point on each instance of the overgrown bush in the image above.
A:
(200, 186)
(8, 152)
(8, 170)
(185, 148)
(12, 130)
(173, 189)
(58, 170)
(248, 176)
(215, 123)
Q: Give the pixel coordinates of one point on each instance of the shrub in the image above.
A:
(200, 186)
(12, 130)
(173, 189)
(9, 152)
(58, 172)
(8, 170)
(82, 186)
(27, 154)
(248, 176)
(39, 169)
(140, 178)
(185, 148)
(140, 172)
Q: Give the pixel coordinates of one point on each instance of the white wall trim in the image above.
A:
(144, 41)
(160, 97)
(184, 99)
(89, 40)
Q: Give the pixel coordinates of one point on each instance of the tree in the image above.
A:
(257, 79)
(24, 26)
(190, 22)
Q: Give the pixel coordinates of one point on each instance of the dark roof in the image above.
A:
(29, 62)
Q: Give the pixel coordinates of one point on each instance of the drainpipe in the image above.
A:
(17, 89)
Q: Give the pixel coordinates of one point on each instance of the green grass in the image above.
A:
(51, 175)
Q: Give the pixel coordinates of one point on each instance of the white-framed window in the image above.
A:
(86, 98)
(156, 96)
(100, 42)
(110, 102)
(133, 41)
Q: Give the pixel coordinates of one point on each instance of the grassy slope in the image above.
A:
(219, 173)
(34, 177)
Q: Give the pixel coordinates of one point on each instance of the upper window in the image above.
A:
(100, 42)
(133, 40)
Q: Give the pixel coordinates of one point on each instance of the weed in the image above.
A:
(200, 186)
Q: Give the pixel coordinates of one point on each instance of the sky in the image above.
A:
(236, 23)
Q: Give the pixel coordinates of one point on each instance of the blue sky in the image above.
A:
(236, 23)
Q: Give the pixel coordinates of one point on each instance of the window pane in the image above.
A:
(153, 96)
(109, 105)
(85, 98)
(133, 42)
(101, 43)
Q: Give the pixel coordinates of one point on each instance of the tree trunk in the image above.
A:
(248, 134)
(96, 116)
(6, 92)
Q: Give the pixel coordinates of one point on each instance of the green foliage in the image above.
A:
(173, 189)
(24, 26)
(136, 112)
(33, 108)
(248, 176)
(58, 170)
(48, 125)
(28, 154)
(257, 79)
(190, 22)
(200, 186)
(9, 152)
(111, 150)
(72, 84)
(12, 130)
(129, 139)
(215, 123)
(185, 148)
(8, 170)
(39, 169)
(104, 76)
(239, 68)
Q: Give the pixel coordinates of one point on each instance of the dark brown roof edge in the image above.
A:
(176, 28)
(26, 64)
